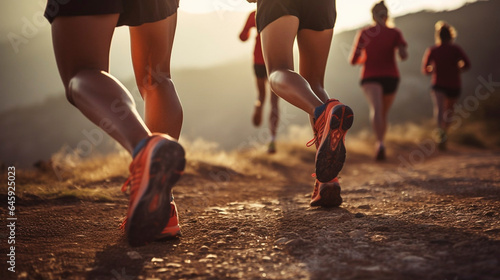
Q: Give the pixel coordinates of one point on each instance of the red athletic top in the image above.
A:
(258, 58)
(375, 48)
(445, 60)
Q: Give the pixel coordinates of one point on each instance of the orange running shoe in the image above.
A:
(331, 122)
(326, 194)
(153, 173)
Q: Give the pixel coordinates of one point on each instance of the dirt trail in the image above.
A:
(438, 220)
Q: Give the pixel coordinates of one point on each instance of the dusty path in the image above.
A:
(438, 220)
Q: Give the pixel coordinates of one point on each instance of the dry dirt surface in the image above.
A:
(412, 217)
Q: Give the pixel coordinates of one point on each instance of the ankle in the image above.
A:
(139, 147)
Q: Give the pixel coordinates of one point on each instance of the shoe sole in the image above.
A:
(167, 162)
(330, 161)
(329, 196)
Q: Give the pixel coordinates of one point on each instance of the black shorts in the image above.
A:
(389, 84)
(132, 12)
(449, 92)
(316, 15)
(260, 70)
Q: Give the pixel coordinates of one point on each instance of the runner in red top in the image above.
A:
(261, 77)
(375, 48)
(445, 61)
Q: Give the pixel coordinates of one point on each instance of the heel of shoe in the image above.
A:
(342, 117)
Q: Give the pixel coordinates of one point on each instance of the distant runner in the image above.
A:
(445, 61)
(311, 22)
(261, 76)
(375, 49)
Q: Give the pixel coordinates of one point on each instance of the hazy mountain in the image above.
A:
(218, 101)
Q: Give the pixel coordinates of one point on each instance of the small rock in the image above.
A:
(161, 270)
(282, 240)
(234, 229)
(490, 214)
(173, 265)
(211, 256)
(365, 207)
(359, 215)
(134, 255)
(298, 243)
(266, 258)
(204, 248)
(156, 260)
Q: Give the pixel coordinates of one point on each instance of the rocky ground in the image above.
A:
(413, 217)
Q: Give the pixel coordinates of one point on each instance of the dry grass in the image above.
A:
(100, 177)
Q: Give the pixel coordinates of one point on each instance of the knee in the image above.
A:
(163, 89)
(154, 82)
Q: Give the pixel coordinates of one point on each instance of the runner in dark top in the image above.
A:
(375, 48)
(311, 22)
(445, 61)
(82, 31)
(261, 77)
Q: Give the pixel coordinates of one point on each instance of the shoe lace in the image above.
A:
(318, 132)
(319, 125)
(122, 226)
(126, 184)
(130, 183)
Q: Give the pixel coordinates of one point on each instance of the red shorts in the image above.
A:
(316, 15)
(132, 12)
